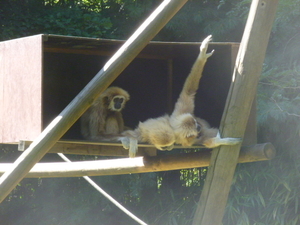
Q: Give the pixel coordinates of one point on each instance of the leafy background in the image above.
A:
(263, 193)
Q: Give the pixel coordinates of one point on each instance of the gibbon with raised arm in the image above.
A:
(104, 117)
(188, 129)
(182, 127)
(182, 120)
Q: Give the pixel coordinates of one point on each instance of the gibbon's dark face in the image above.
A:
(118, 103)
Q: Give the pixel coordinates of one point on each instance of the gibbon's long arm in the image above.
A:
(185, 102)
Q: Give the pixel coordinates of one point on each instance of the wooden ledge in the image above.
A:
(163, 162)
(84, 147)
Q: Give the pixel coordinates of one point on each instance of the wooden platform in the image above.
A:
(256, 152)
(83, 147)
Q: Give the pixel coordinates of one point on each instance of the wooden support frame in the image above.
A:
(258, 152)
(54, 131)
(248, 67)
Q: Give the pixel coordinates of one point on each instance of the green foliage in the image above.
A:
(32, 17)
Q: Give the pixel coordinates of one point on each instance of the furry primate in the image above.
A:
(104, 117)
(188, 129)
(155, 131)
(182, 127)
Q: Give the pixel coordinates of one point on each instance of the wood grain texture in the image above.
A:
(82, 147)
(21, 91)
(248, 67)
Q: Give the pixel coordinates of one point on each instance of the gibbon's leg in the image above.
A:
(217, 141)
(111, 125)
(133, 147)
(114, 123)
(185, 102)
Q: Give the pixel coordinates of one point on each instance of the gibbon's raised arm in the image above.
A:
(189, 129)
(185, 102)
(182, 120)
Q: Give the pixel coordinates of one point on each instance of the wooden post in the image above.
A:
(119, 61)
(252, 153)
(211, 206)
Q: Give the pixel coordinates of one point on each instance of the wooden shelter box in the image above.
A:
(41, 74)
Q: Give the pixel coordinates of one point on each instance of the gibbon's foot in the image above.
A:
(131, 144)
(203, 48)
(133, 147)
(217, 141)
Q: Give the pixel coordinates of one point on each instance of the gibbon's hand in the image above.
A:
(131, 144)
(125, 142)
(203, 48)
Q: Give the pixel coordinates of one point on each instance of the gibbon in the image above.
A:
(182, 127)
(210, 137)
(104, 117)
(182, 120)
(188, 129)
(155, 131)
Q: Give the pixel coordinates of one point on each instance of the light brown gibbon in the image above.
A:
(104, 117)
(189, 129)
(155, 131)
(182, 127)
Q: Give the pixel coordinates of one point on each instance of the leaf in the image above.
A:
(261, 198)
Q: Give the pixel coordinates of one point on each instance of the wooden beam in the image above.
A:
(84, 147)
(253, 153)
(248, 67)
(117, 63)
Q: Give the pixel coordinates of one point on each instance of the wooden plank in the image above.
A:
(250, 136)
(140, 164)
(2, 71)
(248, 67)
(21, 81)
(117, 63)
(82, 147)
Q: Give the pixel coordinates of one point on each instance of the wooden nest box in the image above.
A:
(41, 74)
